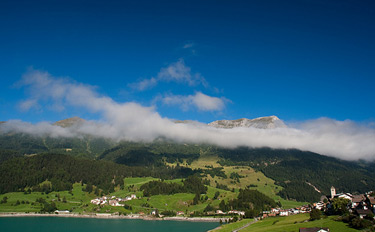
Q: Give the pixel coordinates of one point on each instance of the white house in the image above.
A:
(62, 211)
(319, 205)
(284, 213)
(236, 212)
(219, 212)
(180, 213)
(345, 196)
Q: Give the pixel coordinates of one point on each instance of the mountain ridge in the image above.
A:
(268, 122)
(68, 122)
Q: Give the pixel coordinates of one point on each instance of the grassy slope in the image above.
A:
(232, 226)
(293, 223)
(176, 202)
(74, 202)
(79, 201)
(263, 183)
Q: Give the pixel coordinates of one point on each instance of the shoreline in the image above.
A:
(110, 216)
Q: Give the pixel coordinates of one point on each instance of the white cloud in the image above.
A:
(28, 104)
(176, 72)
(207, 103)
(188, 45)
(131, 121)
(144, 84)
(199, 100)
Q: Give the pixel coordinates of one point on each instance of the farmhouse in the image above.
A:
(180, 213)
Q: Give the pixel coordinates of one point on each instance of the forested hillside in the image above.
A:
(23, 173)
(293, 169)
(192, 184)
(252, 202)
(135, 154)
(17, 144)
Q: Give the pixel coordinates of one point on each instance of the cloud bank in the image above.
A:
(131, 121)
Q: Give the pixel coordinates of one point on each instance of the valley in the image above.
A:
(96, 176)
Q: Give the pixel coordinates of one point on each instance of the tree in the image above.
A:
(168, 213)
(48, 208)
(156, 213)
(358, 223)
(217, 194)
(315, 214)
(370, 216)
(208, 208)
(339, 206)
(252, 199)
(89, 188)
(5, 200)
(222, 206)
(196, 199)
(251, 213)
(193, 184)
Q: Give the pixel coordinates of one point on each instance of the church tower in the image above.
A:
(333, 192)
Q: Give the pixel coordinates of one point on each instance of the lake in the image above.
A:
(56, 224)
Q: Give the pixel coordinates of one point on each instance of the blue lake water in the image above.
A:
(48, 224)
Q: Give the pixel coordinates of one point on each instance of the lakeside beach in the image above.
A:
(111, 216)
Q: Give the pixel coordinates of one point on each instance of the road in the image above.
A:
(243, 227)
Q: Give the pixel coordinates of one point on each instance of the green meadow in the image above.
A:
(75, 201)
(78, 201)
(249, 177)
(233, 226)
(289, 224)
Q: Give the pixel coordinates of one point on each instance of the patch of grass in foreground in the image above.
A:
(232, 226)
(293, 223)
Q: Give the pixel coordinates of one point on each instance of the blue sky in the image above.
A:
(298, 60)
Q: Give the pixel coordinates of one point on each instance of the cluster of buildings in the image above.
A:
(113, 201)
(362, 204)
(240, 213)
(285, 212)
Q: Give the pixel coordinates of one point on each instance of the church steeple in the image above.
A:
(333, 192)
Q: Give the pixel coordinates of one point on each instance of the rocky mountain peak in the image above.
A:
(69, 122)
(269, 122)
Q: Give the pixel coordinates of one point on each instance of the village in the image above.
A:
(361, 205)
(113, 200)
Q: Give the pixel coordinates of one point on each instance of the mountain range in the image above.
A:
(269, 122)
(293, 170)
